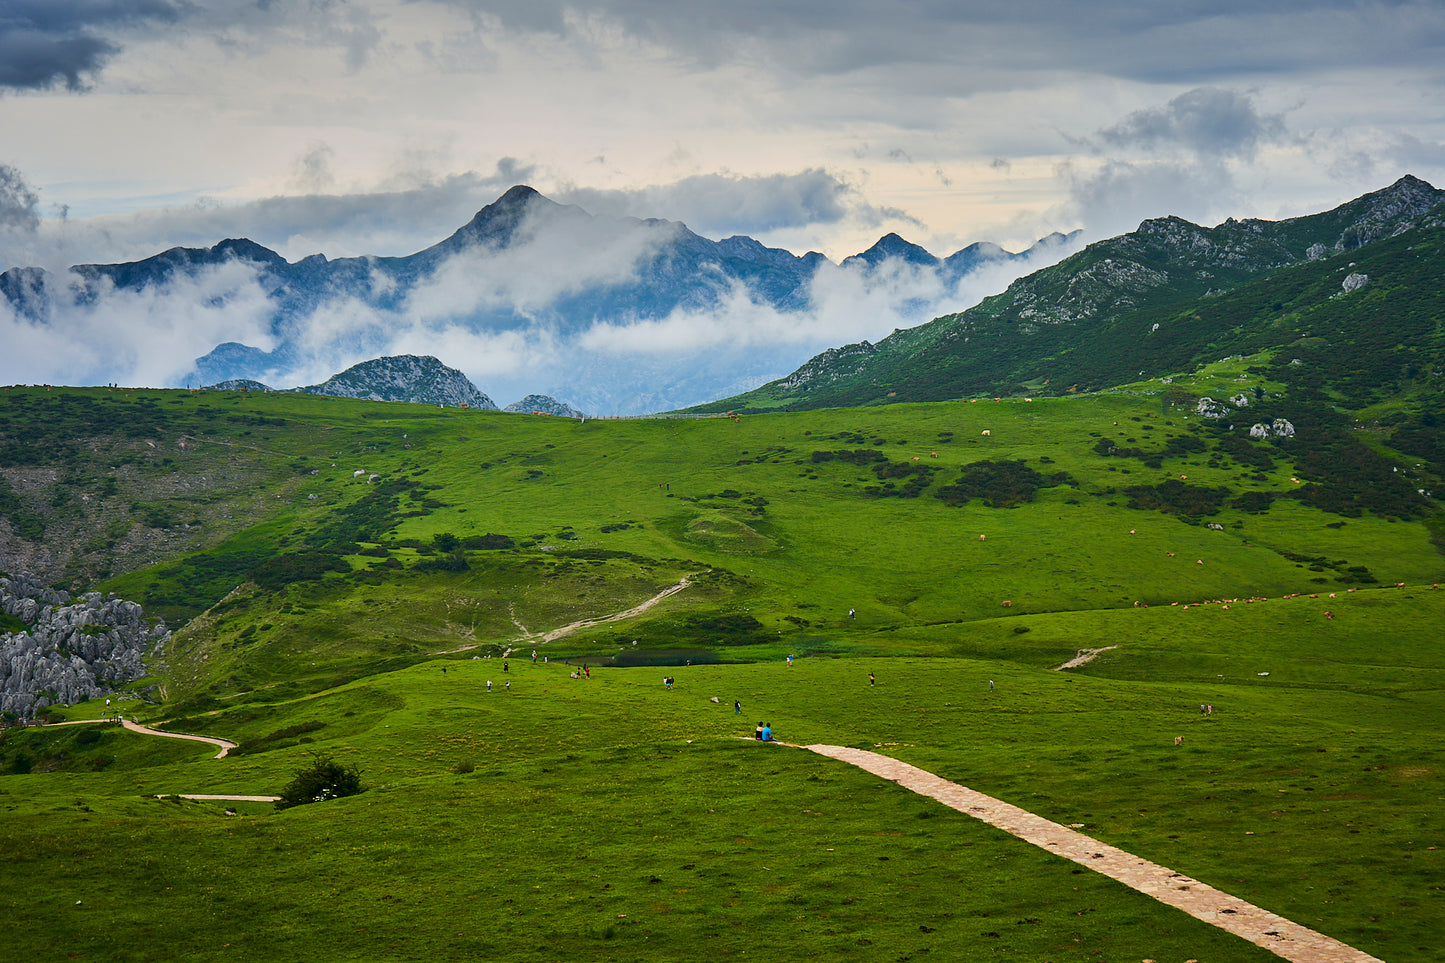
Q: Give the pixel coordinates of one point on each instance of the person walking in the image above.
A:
(737, 708)
(871, 680)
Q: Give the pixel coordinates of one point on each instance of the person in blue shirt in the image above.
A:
(767, 735)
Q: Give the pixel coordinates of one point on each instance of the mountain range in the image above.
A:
(1352, 288)
(615, 315)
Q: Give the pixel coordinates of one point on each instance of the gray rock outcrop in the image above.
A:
(74, 649)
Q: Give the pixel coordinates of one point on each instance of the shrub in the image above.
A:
(322, 779)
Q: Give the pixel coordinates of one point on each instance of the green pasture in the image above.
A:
(566, 818)
(320, 609)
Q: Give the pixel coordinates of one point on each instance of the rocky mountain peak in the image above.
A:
(415, 378)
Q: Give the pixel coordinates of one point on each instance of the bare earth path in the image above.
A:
(568, 629)
(1275, 933)
(1084, 657)
(225, 744)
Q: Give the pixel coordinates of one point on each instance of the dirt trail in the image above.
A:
(1083, 657)
(225, 745)
(1275, 933)
(568, 629)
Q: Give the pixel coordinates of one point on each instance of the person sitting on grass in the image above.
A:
(758, 732)
(767, 734)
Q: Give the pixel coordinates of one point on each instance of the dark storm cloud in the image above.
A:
(49, 42)
(982, 40)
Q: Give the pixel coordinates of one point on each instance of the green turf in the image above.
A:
(531, 824)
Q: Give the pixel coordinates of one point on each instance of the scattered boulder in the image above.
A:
(1278, 428)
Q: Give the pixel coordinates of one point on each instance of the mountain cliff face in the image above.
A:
(1121, 309)
(580, 298)
(423, 380)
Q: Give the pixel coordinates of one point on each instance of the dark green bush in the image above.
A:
(323, 778)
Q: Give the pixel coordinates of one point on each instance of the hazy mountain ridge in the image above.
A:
(622, 315)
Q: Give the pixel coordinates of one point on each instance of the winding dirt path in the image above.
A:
(571, 627)
(1260, 927)
(225, 744)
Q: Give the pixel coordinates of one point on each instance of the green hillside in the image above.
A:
(1172, 296)
(346, 576)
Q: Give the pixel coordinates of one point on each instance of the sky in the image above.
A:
(350, 127)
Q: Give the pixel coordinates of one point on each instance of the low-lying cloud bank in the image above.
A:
(513, 318)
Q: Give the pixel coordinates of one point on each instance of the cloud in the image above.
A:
(49, 42)
(555, 253)
(718, 205)
(1181, 158)
(18, 203)
(91, 332)
(985, 44)
(383, 223)
(1205, 121)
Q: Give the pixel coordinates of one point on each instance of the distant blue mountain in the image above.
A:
(604, 310)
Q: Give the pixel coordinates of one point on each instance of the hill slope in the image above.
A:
(1141, 305)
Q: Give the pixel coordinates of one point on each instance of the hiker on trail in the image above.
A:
(767, 734)
(737, 708)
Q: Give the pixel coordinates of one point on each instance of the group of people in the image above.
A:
(764, 732)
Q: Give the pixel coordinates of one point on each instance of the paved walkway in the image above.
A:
(1275, 933)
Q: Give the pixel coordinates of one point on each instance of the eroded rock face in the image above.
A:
(73, 649)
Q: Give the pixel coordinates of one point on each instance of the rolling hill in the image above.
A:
(1254, 526)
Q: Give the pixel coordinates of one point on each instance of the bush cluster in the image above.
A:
(322, 779)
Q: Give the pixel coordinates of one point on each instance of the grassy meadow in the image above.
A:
(979, 544)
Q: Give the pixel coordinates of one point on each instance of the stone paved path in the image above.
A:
(1275, 933)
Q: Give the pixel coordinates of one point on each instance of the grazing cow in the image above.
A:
(1007, 603)
(933, 454)
(985, 431)
(1179, 740)
(982, 537)
(1329, 615)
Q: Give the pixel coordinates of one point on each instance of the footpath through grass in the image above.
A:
(612, 816)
